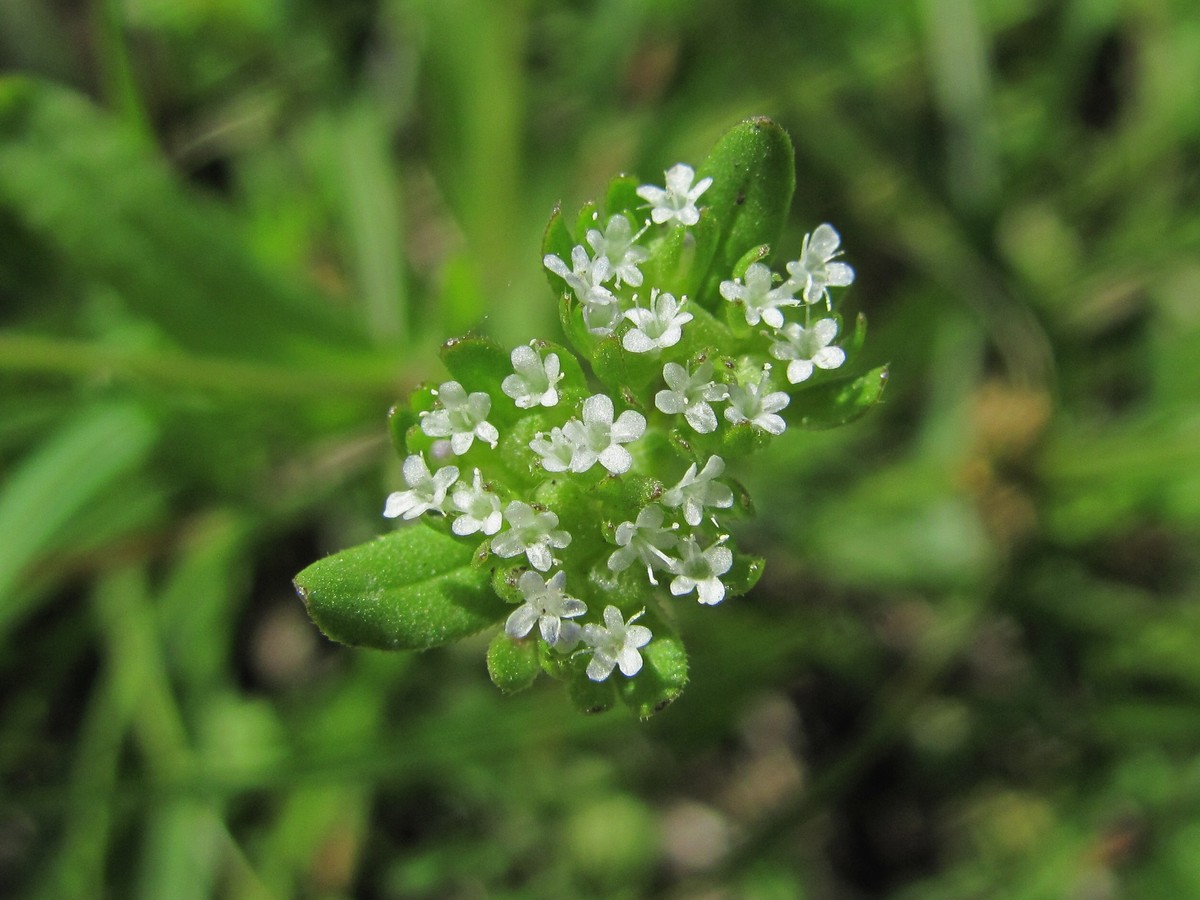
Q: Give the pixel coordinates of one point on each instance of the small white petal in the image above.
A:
(616, 459)
(521, 622)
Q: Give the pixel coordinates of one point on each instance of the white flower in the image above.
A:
(461, 418)
(678, 200)
(586, 278)
(815, 270)
(616, 244)
(808, 347)
(697, 491)
(480, 508)
(536, 380)
(659, 326)
(747, 404)
(547, 605)
(530, 532)
(615, 643)
(555, 450)
(701, 570)
(760, 300)
(426, 490)
(691, 395)
(599, 438)
(645, 539)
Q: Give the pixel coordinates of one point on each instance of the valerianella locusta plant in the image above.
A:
(570, 495)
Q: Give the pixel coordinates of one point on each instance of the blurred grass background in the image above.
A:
(232, 233)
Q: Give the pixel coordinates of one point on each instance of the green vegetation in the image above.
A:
(233, 235)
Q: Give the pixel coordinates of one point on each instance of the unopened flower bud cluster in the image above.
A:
(678, 538)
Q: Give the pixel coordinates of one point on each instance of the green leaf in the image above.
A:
(591, 696)
(749, 258)
(837, 402)
(705, 335)
(477, 363)
(570, 317)
(574, 387)
(754, 176)
(618, 368)
(671, 262)
(557, 241)
(588, 218)
(663, 677)
(408, 590)
(480, 364)
(513, 664)
(622, 197)
(744, 575)
(741, 440)
(401, 419)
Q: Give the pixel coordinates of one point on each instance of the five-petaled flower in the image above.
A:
(617, 244)
(647, 540)
(586, 277)
(747, 403)
(657, 327)
(806, 348)
(701, 570)
(695, 491)
(615, 643)
(462, 418)
(531, 532)
(678, 199)
(691, 394)
(546, 605)
(598, 438)
(478, 507)
(535, 380)
(426, 490)
(759, 298)
(815, 271)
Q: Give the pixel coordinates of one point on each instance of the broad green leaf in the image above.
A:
(837, 402)
(408, 590)
(753, 171)
(513, 664)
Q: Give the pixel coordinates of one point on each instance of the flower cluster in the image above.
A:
(599, 497)
(804, 347)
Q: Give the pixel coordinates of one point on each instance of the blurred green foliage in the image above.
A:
(233, 233)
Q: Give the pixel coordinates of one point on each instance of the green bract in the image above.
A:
(571, 495)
